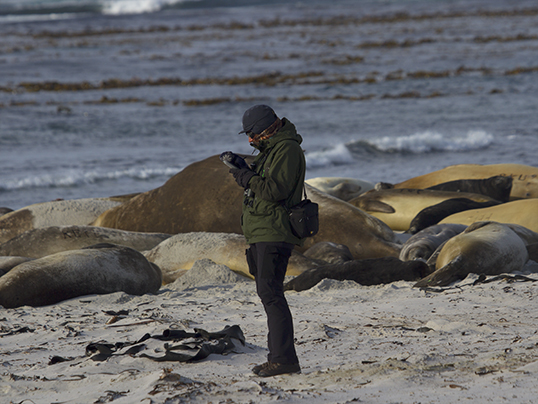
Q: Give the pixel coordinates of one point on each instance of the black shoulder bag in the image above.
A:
(304, 217)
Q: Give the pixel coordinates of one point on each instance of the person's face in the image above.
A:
(251, 136)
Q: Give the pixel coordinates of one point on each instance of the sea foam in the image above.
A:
(418, 143)
(34, 10)
(136, 6)
(431, 141)
(337, 155)
(74, 178)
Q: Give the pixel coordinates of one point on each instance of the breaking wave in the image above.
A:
(136, 6)
(43, 9)
(418, 143)
(427, 142)
(74, 178)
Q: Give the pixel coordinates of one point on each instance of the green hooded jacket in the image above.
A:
(281, 167)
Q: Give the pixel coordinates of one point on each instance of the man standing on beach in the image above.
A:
(274, 179)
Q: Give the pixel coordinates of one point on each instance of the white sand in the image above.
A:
(382, 344)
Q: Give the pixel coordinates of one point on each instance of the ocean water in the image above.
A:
(109, 97)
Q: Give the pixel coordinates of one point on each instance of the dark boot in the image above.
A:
(256, 369)
(273, 369)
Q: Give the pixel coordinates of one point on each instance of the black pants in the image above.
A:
(268, 263)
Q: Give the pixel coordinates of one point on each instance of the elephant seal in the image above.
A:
(205, 272)
(497, 187)
(521, 212)
(366, 272)
(488, 248)
(55, 213)
(424, 243)
(340, 187)
(528, 237)
(100, 269)
(434, 214)
(204, 197)
(524, 178)
(8, 263)
(37, 243)
(178, 253)
(532, 249)
(342, 223)
(4, 211)
(330, 253)
(398, 207)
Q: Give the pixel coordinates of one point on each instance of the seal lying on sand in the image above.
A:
(488, 248)
(8, 263)
(204, 197)
(434, 214)
(497, 187)
(330, 253)
(423, 244)
(178, 253)
(99, 269)
(366, 272)
(522, 212)
(4, 211)
(526, 235)
(398, 207)
(532, 249)
(56, 213)
(45, 241)
(524, 184)
(340, 187)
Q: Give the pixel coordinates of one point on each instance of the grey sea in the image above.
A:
(102, 98)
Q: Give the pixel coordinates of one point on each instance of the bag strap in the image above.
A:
(282, 202)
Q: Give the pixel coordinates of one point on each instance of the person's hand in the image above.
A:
(242, 176)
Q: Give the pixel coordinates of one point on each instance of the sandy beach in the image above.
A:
(108, 98)
(474, 341)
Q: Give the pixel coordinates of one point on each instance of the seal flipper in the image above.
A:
(444, 276)
(308, 279)
(377, 206)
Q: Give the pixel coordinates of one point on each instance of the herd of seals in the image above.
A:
(433, 230)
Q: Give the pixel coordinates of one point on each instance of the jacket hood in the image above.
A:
(286, 132)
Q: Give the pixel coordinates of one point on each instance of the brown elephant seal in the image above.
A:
(342, 223)
(521, 212)
(330, 253)
(340, 187)
(37, 243)
(497, 187)
(55, 213)
(528, 237)
(178, 253)
(488, 248)
(205, 198)
(205, 272)
(398, 207)
(366, 272)
(4, 211)
(524, 178)
(100, 269)
(423, 244)
(434, 214)
(8, 263)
